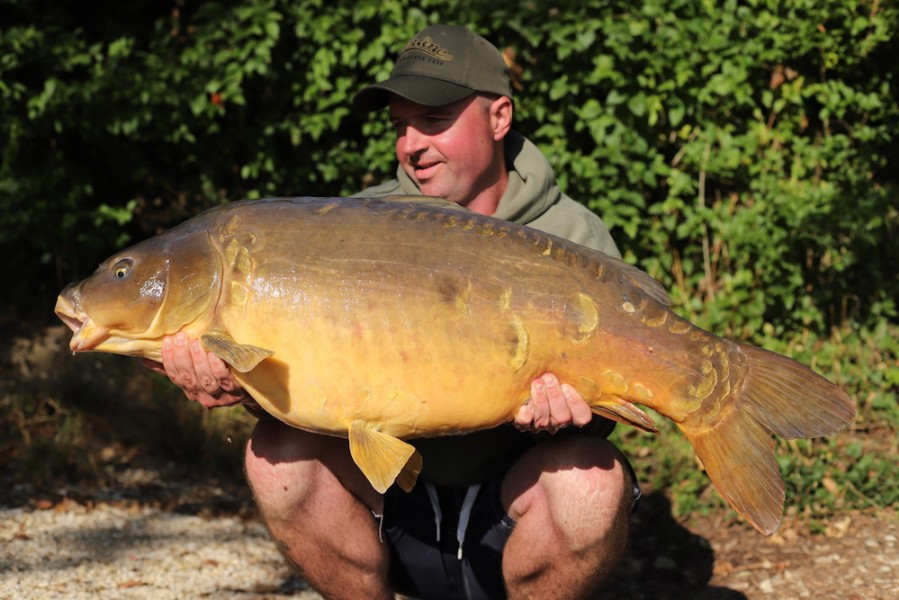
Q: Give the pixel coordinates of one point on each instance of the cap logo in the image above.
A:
(430, 47)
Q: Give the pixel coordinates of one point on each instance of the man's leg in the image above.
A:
(318, 507)
(571, 499)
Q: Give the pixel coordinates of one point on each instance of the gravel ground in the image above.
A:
(211, 545)
(133, 551)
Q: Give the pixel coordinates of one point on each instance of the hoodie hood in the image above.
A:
(532, 187)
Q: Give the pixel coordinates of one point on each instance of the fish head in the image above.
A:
(138, 296)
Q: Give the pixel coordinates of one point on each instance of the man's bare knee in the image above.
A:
(279, 477)
(572, 499)
(287, 467)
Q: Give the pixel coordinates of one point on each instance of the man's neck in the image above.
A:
(485, 204)
(488, 200)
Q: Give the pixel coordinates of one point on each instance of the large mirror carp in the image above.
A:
(386, 320)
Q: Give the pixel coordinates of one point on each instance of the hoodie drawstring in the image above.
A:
(464, 514)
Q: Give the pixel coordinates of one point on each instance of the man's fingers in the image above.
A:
(581, 413)
(559, 412)
(524, 418)
(202, 376)
(177, 361)
(222, 374)
(206, 380)
(540, 404)
(553, 406)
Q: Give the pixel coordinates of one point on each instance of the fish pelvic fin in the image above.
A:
(383, 458)
(243, 357)
(617, 409)
(778, 396)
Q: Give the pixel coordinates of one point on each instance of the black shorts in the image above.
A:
(423, 567)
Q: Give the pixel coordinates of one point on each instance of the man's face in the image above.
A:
(450, 151)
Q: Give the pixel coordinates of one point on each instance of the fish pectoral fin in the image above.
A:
(383, 458)
(618, 409)
(243, 357)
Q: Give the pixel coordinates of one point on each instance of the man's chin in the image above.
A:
(436, 191)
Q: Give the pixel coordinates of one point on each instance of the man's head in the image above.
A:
(441, 65)
(450, 104)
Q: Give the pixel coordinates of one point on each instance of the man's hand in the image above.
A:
(203, 376)
(552, 406)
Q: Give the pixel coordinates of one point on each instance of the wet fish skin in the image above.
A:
(386, 320)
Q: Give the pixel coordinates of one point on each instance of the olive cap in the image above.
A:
(441, 65)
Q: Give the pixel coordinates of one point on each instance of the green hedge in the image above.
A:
(744, 153)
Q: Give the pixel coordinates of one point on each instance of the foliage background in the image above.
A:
(744, 153)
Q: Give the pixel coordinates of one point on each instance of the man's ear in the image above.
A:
(501, 117)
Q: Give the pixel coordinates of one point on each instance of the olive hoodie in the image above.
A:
(532, 198)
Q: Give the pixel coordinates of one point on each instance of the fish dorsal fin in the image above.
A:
(640, 279)
(427, 201)
(383, 458)
(243, 357)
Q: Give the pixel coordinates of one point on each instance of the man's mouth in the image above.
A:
(425, 171)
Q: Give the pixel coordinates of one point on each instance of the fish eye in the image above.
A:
(122, 268)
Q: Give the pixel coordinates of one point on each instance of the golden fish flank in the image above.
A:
(679, 326)
(337, 311)
(455, 291)
(642, 393)
(326, 208)
(586, 315)
(237, 255)
(519, 342)
(505, 299)
(657, 320)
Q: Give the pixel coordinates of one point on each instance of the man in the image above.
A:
(495, 513)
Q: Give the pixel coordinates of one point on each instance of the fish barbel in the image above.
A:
(386, 320)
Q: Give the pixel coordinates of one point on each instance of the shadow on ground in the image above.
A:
(665, 560)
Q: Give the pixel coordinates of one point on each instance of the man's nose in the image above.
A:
(412, 141)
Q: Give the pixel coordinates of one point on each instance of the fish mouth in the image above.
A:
(87, 334)
(73, 323)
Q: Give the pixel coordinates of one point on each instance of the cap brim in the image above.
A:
(421, 90)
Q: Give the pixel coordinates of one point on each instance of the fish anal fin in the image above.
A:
(383, 458)
(243, 357)
(617, 409)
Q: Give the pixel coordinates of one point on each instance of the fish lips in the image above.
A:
(87, 334)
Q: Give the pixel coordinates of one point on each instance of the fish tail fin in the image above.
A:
(777, 396)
